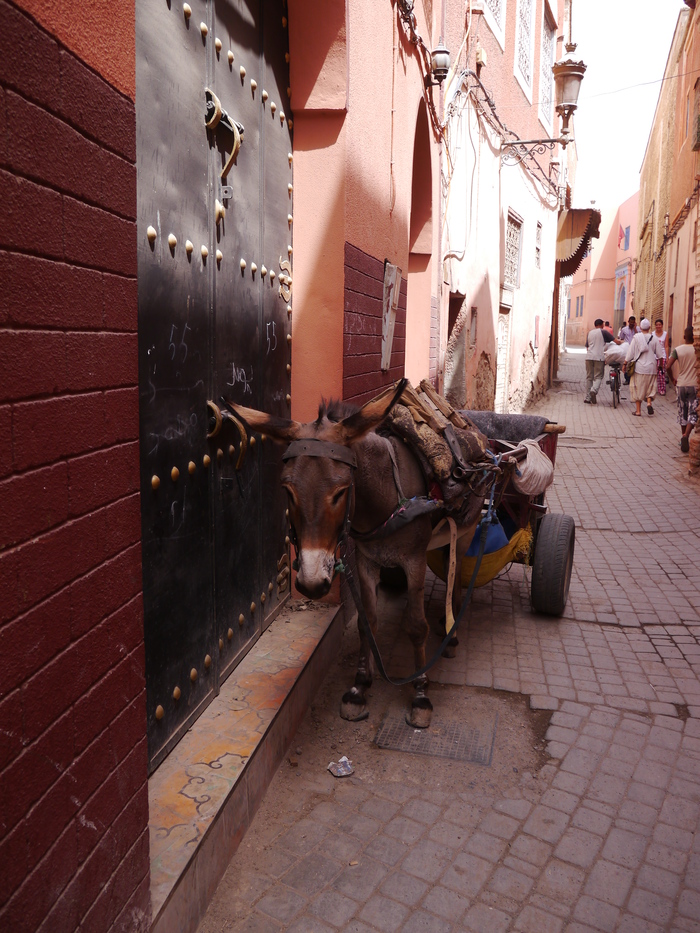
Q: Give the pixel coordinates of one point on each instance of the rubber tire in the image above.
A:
(615, 395)
(552, 565)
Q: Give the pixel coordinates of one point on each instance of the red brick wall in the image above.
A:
(362, 328)
(74, 804)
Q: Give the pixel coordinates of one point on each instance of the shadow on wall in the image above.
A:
(470, 374)
(534, 372)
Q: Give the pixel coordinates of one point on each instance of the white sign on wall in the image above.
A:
(390, 303)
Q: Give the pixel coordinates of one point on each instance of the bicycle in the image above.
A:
(614, 383)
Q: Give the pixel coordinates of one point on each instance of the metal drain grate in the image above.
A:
(454, 740)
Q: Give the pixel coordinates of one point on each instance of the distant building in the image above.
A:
(603, 286)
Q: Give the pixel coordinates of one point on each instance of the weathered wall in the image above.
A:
(655, 189)
(73, 838)
(482, 191)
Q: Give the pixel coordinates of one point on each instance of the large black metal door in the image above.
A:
(214, 291)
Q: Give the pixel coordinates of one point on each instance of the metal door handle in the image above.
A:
(215, 115)
(216, 419)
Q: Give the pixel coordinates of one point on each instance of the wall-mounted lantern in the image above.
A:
(439, 64)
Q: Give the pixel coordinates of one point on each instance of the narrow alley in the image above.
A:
(575, 802)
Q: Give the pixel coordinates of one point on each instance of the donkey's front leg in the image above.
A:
(417, 626)
(353, 705)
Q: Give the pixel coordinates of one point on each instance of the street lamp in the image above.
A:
(439, 64)
(568, 74)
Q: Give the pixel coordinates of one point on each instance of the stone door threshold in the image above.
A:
(204, 796)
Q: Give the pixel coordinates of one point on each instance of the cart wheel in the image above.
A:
(551, 569)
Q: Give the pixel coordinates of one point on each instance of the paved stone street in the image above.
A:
(598, 831)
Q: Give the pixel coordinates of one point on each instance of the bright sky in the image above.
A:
(623, 43)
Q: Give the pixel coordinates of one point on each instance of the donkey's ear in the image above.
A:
(279, 429)
(370, 416)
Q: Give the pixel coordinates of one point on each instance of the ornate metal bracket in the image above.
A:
(514, 152)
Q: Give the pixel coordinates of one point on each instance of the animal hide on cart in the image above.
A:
(423, 420)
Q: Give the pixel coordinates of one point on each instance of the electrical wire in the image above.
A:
(632, 87)
(408, 18)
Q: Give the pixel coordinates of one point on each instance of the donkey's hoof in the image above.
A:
(421, 713)
(353, 706)
(451, 648)
(353, 712)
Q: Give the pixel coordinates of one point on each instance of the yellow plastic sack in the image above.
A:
(491, 564)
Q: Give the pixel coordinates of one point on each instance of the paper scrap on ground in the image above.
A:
(341, 768)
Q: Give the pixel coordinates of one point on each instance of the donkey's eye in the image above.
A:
(339, 495)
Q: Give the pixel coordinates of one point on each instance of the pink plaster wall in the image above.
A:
(318, 270)
(353, 178)
(417, 320)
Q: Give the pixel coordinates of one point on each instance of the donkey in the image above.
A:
(349, 477)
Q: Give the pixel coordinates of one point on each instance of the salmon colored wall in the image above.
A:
(318, 271)
(352, 174)
(385, 75)
(318, 79)
(88, 30)
(418, 317)
(319, 75)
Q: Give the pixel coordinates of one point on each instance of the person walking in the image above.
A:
(627, 333)
(629, 330)
(608, 329)
(686, 383)
(662, 336)
(595, 360)
(643, 351)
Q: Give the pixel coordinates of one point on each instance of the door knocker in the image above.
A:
(216, 115)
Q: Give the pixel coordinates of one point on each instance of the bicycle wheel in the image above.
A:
(616, 390)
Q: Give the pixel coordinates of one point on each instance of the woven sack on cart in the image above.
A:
(535, 473)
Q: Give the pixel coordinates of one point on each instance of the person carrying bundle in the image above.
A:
(595, 360)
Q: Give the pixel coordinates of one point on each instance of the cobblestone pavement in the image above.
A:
(602, 836)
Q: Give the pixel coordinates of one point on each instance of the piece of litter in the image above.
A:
(341, 768)
(293, 762)
(353, 863)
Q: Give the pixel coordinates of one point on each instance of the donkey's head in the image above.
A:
(318, 479)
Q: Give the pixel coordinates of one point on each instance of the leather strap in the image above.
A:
(449, 616)
(313, 447)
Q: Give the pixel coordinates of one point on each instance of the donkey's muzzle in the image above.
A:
(315, 573)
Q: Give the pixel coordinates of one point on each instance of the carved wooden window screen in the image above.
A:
(524, 44)
(546, 75)
(497, 10)
(511, 273)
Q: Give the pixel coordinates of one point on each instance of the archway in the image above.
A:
(420, 244)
